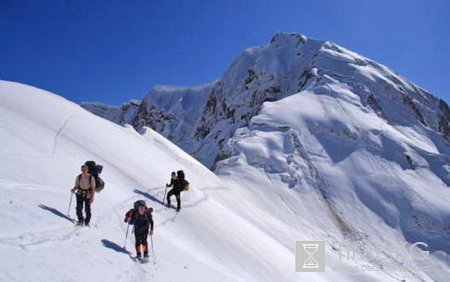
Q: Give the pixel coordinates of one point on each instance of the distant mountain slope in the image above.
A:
(288, 65)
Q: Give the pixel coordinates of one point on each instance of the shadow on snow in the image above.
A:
(113, 246)
(56, 212)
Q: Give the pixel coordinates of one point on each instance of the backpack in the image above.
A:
(180, 175)
(95, 169)
(92, 167)
(186, 185)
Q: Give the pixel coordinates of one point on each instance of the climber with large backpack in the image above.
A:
(85, 191)
(179, 184)
(141, 217)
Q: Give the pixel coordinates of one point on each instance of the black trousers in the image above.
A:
(177, 195)
(82, 199)
(141, 239)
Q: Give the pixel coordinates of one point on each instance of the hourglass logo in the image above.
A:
(310, 256)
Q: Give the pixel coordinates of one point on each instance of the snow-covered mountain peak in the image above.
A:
(290, 64)
(288, 40)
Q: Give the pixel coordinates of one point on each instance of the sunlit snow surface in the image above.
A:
(46, 138)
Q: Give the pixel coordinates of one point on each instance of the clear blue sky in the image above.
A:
(112, 51)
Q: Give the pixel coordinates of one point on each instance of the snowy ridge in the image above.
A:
(211, 239)
(286, 66)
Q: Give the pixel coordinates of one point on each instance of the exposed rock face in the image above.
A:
(444, 121)
(123, 114)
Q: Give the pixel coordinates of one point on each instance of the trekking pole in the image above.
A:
(126, 236)
(70, 203)
(153, 251)
(165, 195)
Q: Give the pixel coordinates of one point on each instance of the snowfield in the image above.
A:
(223, 232)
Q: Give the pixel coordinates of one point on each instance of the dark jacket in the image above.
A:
(142, 223)
(171, 182)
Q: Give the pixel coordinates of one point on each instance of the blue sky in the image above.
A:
(113, 51)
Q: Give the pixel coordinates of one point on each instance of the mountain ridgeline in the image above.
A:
(202, 119)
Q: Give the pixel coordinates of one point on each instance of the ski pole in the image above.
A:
(165, 195)
(70, 203)
(153, 251)
(126, 236)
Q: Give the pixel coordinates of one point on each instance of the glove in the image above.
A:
(167, 185)
(73, 190)
(150, 232)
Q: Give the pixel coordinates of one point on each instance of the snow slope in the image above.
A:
(315, 168)
(359, 145)
(44, 140)
(382, 171)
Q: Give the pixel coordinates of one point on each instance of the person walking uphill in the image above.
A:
(141, 217)
(85, 190)
(179, 184)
